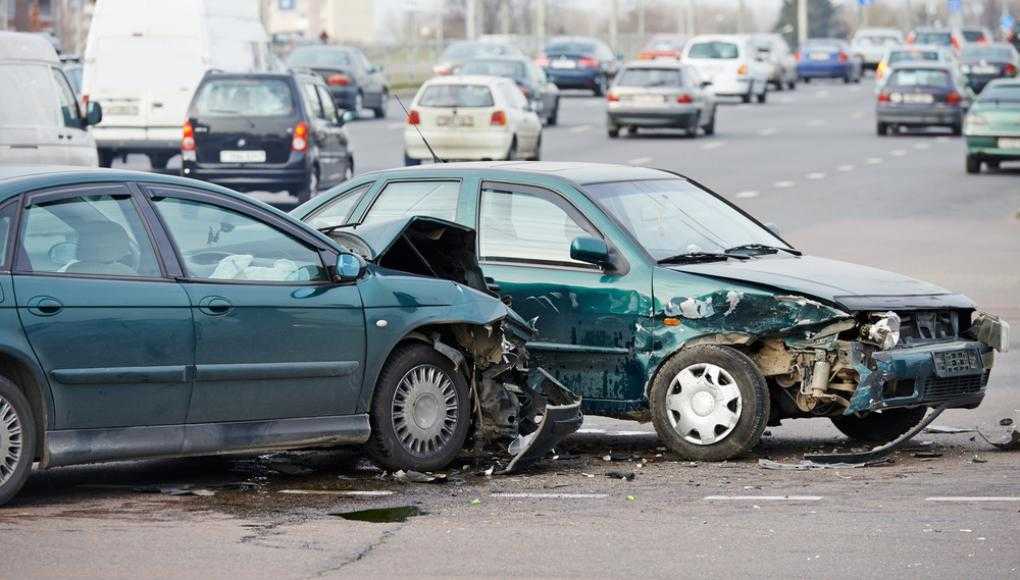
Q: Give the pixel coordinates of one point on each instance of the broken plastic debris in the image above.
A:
(945, 430)
(626, 476)
(978, 459)
(411, 476)
(631, 498)
(805, 465)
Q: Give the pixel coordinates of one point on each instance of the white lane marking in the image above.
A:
(975, 498)
(394, 126)
(921, 146)
(817, 122)
(768, 131)
(873, 160)
(550, 495)
(898, 152)
(591, 430)
(640, 161)
(763, 498)
(942, 139)
(785, 100)
(822, 93)
(713, 145)
(845, 168)
(747, 194)
(858, 115)
(580, 128)
(351, 493)
(815, 175)
(784, 184)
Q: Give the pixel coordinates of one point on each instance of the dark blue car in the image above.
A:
(828, 58)
(579, 63)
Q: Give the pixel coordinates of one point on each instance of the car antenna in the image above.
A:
(435, 158)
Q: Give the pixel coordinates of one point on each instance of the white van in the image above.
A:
(144, 58)
(732, 63)
(40, 121)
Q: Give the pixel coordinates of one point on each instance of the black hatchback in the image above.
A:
(266, 132)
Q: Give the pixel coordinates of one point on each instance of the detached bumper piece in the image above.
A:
(562, 416)
(879, 452)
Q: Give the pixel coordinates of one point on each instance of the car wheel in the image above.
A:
(537, 155)
(409, 161)
(159, 160)
(511, 153)
(848, 79)
(709, 403)
(613, 131)
(312, 186)
(792, 85)
(380, 111)
(17, 440)
(710, 127)
(973, 164)
(763, 96)
(554, 116)
(806, 80)
(993, 165)
(882, 129)
(600, 86)
(359, 102)
(421, 411)
(106, 158)
(879, 427)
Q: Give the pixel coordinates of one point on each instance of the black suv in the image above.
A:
(266, 132)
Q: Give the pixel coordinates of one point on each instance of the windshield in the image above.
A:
(919, 77)
(905, 55)
(244, 97)
(973, 35)
(1001, 93)
(466, 50)
(315, 57)
(570, 47)
(715, 50)
(673, 216)
(997, 53)
(650, 77)
(498, 68)
(456, 96)
(939, 38)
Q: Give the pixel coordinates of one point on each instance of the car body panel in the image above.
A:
(743, 75)
(923, 104)
(998, 136)
(660, 106)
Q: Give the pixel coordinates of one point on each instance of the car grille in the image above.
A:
(944, 388)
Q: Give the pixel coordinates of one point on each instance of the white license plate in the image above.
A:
(984, 70)
(121, 110)
(819, 56)
(1009, 143)
(918, 98)
(647, 99)
(454, 120)
(564, 63)
(242, 156)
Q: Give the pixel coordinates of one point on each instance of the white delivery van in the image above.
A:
(144, 58)
(40, 121)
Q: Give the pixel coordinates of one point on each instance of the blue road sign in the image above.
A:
(1007, 21)
(955, 5)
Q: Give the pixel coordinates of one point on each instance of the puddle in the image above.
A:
(382, 515)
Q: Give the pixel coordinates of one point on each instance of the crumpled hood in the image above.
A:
(850, 286)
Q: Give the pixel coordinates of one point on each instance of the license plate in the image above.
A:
(819, 56)
(1005, 143)
(444, 120)
(648, 99)
(242, 156)
(984, 70)
(918, 98)
(564, 63)
(956, 363)
(121, 110)
(454, 120)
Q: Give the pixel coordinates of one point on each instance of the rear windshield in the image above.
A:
(571, 47)
(316, 57)
(919, 77)
(1001, 93)
(650, 77)
(456, 96)
(999, 53)
(822, 47)
(466, 50)
(497, 68)
(714, 49)
(905, 55)
(940, 38)
(973, 35)
(877, 40)
(244, 97)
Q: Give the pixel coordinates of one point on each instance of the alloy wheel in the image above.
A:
(10, 440)
(704, 403)
(425, 410)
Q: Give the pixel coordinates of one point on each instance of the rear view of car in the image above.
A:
(727, 62)
(943, 37)
(354, 83)
(872, 44)
(827, 58)
(993, 126)
(983, 63)
(660, 95)
(669, 46)
(579, 63)
(470, 118)
(920, 96)
(543, 96)
(932, 54)
(462, 51)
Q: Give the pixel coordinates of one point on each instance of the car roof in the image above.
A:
(878, 31)
(576, 172)
(717, 37)
(499, 58)
(487, 80)
(657, 63)
(24, 46)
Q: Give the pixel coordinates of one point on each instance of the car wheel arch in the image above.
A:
(29, 380)
(740, 341)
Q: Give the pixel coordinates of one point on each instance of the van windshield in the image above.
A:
(27, 96)
(715, 50)
(456, 96)
(244, 97)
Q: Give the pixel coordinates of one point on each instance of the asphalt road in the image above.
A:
(810, 162)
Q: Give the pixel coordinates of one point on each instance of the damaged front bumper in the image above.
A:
(562, 417)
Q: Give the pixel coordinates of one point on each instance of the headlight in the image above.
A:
(976, 121)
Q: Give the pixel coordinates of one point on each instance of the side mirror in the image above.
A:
(93, 114)
(345, 117)
(590, 250)
(349, 267)
(706, 84)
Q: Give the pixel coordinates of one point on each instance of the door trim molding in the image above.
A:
(274, 371)
(122, 375)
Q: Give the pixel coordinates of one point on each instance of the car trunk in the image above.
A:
(216, 135)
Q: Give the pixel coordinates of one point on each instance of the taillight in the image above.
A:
(442, 69)
(883, 97)
(796, 55)
(588, 62)
(612, 97)
(953, 98)
(1010, 70)
(188, 137)
(684, 99)
(954, 41)
(742, 71)
(300, 141)
(338, 80)
(843, 57)
(413, 118)
(911, 38)
(542, 60)
(498, 119)
(646, 55)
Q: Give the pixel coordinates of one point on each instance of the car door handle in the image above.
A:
(491, 284)
(44, 306)
(215, 305)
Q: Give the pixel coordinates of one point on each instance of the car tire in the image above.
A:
(422, 383)
(710, 127)
(537, 155)
(737, 400)
(554, 116)
(311, 187)
(992, 165)
(882, 129)
(511, 153)
(158, 161)
(973, 164)
(600, 86)
(778, 85)
(957, 130)
(806, 80)
(763, 96)
(359, 103)
(613, 132)
(17, 440)
(747, 98)
(792, 85)
(879, 427)
(410, 161)
(380, 111)
(106, 158)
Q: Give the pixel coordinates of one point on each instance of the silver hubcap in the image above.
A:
(704, 403)
(10, 440)
(425, 410)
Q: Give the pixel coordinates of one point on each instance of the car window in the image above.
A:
(570, 47)
(527, 227)
(312, 100)
(1002, 53)
(513, 95)
(91, 234)
(216, 243)
(338, 210)
(513, 69)
(68, 102)
(714, 50)
(650, 77)
(1005, 93)
(7, 215)
(904, 55)
(973, 35)
(939, 38)
(406, 198)
(450, 95)
(319, 56)
(328, 106)
(919, 78)
(244, 97)
(27, 97)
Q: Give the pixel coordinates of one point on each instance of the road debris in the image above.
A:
(978, 459)
(626, 476)
(1012, 443)
(807, 465)
(927, 454)
(881, 451)
(339, 492)
(945, 430)
(411, 476)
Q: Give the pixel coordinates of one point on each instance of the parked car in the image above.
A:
(41, 121)
(464, 50)
(992, 126)
(661, 300)
(976, 35)
(922, 95)
(354, 82)
(542, 94)
(660, 94)
(267, 132)
(781, 61)
(982, 63)
(731, 63)
(471, 118)
(579, 62)
(829, 58)
(915, 53)
(205, 322)
(873, 43)
(143, 61)
(944, 37)
(668, 46)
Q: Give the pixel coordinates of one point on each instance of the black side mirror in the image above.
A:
(590, 250)
(93, 114)
(706, 84)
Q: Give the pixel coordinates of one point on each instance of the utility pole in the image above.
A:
(539, 31)
(613, 16)
(741, 15)
(802, 22)
(689, 24)
(471, 19)
(641, 18)
(504, 17)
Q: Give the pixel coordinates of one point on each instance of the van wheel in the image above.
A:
(973, 164)
(17, 440)
(421, 411)
(709, 403)
(159, 160)
(879, 426)
(106, 158)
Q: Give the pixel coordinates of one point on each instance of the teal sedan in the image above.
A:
(992, 127)
(656, 299)
(154, 316)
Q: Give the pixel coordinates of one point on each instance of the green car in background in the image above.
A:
(656, 299)
(992, 127)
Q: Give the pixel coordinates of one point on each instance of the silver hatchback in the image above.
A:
(660, 94)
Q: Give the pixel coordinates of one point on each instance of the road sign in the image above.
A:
(955, 6)
(286, 4)
(1006, 22)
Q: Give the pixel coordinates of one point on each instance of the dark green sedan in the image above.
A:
(656, 299)
(154, 316)
(992, 127)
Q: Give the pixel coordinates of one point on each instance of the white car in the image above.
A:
(873, 43)
(731, 63)
(471, 118)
